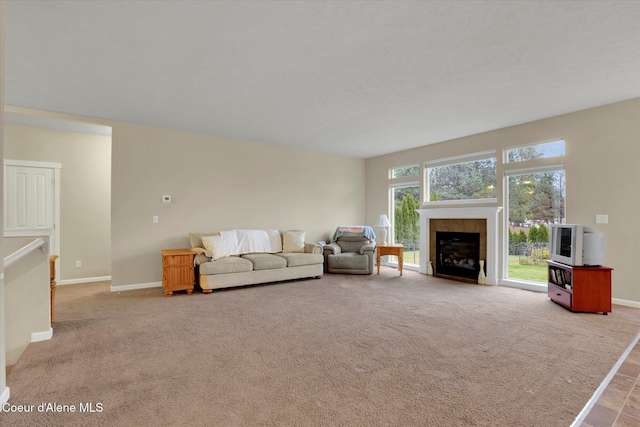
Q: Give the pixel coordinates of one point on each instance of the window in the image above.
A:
(468, 178)
(405, 171)
(537, 151)
(536, 199)
(406, 228)
(405, 200)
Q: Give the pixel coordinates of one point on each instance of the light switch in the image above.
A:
(602, 219)
(166, 199)
(156, 219)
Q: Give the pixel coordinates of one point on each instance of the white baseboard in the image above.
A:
(527, 286)
(136, 286)
(42, 336)
(85, 280)
(628, 303)
(4, 396)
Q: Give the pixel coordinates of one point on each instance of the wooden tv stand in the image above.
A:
(580, 289)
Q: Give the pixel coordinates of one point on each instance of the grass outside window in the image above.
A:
(532, 273)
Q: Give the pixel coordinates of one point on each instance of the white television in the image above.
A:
(577, 245)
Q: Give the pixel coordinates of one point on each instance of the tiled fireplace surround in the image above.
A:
(482, 220)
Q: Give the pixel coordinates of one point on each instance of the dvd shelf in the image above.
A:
(560, 277)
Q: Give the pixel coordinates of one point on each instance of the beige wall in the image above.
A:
(85, 206)
(217, 184)
(27, 290)
(602, 175)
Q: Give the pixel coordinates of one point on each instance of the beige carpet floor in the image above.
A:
(338, 351)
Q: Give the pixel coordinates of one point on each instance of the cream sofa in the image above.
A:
(246, 257)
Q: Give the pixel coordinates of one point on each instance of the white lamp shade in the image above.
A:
(383, 221)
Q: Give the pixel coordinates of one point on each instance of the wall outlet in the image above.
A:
(156, 219)
(78, 264)
(602, 219)
(166, 199)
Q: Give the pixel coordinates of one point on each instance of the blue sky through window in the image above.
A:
(542, 150)
(552, 149)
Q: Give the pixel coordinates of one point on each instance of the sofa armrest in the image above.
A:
(367, 248)
(313, 248)
(332, 249)
(202, 255)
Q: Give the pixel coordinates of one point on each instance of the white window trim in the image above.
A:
(532, 170)
(466, 158)
(492, 200)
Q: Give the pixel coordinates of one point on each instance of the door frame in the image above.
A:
(55, 248)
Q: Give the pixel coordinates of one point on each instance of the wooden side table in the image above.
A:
(396, 249)
(177, 271)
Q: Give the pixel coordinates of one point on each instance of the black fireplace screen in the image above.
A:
(458, 254)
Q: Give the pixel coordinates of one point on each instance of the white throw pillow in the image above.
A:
(276, 241)
(293, 241)
(255, 241)
(217, 246)
(230, 238)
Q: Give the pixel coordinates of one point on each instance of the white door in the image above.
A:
(31, 195)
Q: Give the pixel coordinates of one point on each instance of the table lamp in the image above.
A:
(383, 222)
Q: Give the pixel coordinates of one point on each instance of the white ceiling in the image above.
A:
(355, 78)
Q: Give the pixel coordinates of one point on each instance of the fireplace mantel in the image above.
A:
(489, 214)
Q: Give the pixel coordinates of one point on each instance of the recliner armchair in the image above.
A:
(350, 252)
